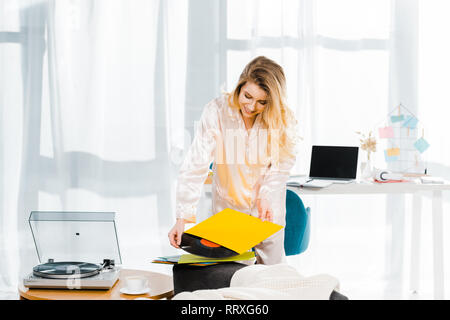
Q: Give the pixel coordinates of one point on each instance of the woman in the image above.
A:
(250, 175)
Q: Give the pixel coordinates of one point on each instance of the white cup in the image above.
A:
(136, 283)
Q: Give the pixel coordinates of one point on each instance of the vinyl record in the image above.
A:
(64, 270)
(204, 248)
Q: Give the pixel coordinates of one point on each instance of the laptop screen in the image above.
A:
(334, 162)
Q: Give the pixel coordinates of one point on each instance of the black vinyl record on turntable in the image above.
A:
(73, 275)
(71, 269)
(204, 248)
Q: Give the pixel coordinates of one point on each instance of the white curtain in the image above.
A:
(84, 122)
(338, 58)
(98, 100)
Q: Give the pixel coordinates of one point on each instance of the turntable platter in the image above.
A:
(65, 270)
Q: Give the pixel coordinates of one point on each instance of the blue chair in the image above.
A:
(298, 225)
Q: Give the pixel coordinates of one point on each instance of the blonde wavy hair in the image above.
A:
(269, 76)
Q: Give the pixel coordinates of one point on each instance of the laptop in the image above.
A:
(330, 164)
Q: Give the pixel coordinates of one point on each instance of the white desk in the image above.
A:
(403, 188)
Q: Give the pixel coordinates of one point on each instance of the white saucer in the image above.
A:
(127, 291)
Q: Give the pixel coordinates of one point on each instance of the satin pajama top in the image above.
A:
(242, 168)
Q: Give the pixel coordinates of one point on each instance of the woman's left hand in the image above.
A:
(264, 210)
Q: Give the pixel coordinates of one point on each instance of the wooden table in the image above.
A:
(417, 190)
(161, 286)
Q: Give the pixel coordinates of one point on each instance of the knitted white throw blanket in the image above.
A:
(279, 281)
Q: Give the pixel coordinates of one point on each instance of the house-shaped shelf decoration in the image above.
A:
(402, 142)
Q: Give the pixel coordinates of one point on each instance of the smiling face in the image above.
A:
(252, 100)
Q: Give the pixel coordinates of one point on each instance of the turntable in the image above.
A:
(76, 250)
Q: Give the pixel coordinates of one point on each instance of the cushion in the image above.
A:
(190, 278)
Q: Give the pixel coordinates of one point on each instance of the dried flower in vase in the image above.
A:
(368, 143)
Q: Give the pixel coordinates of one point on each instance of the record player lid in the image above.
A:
(75, 236)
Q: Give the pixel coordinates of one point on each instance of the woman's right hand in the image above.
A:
(176, 232)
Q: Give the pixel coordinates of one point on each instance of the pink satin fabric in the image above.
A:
(243, 172)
